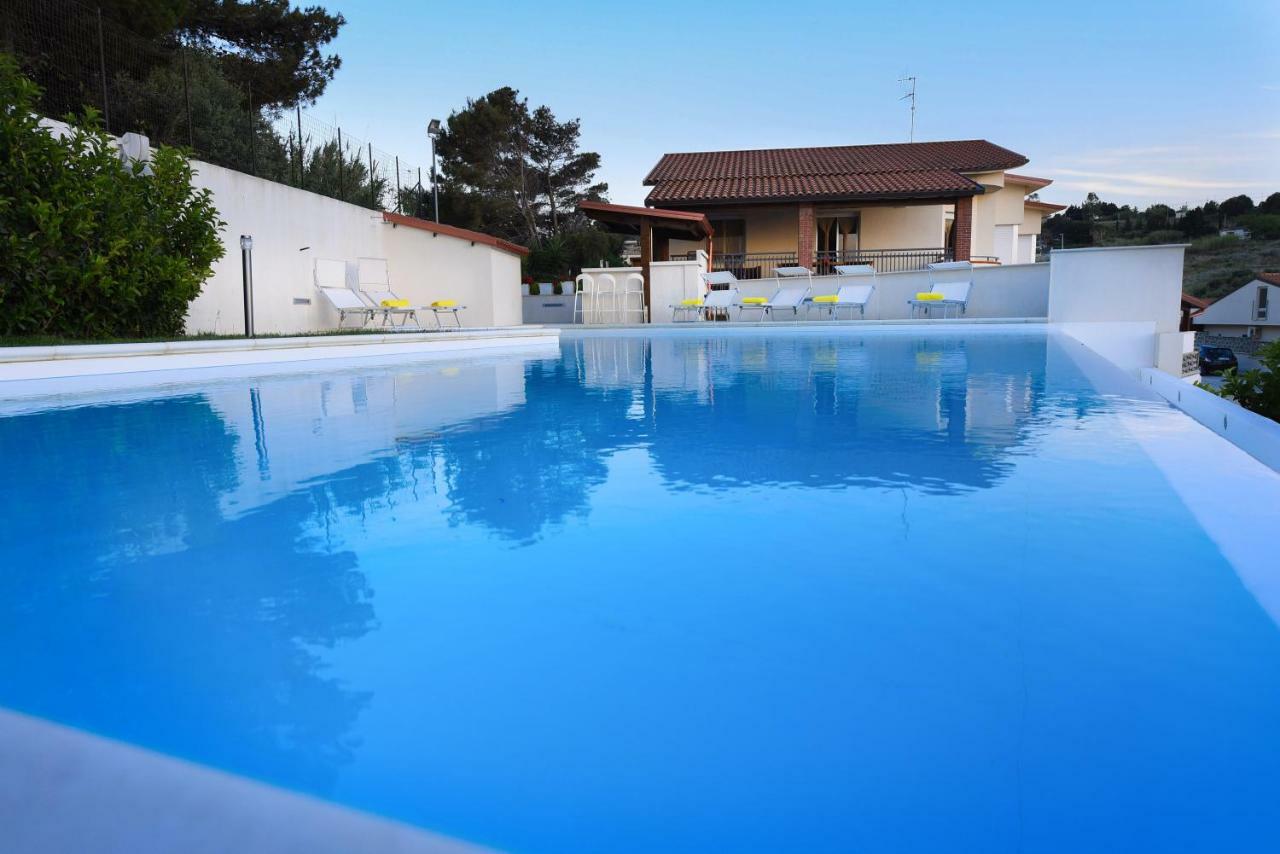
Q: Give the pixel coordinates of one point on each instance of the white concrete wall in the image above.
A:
(1010, 291)
(672, 281)
(1119, 300)
(291, 228)
(1253, 433)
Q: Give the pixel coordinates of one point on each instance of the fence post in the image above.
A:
(342, 194)
(253, 141)
(186, 96)
(373, 193)
(301, 163)
(102, 72)
(398, 184)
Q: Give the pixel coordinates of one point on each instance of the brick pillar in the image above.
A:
(962, 229)
(807, 236)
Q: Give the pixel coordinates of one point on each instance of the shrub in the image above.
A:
(1214, 242)
(92, 247)
(1164, 235)
(1262, 226)
(1255, 390)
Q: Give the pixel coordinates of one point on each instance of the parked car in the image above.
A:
(1215, 360)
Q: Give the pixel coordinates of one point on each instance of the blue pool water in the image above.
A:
(875, 592)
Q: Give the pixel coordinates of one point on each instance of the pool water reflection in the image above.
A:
(853, 591)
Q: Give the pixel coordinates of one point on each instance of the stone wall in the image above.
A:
(1237, 343)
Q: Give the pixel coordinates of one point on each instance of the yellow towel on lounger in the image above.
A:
(827, 298)
(929, 297)
(691, 302)
(754, 300)
(395, 303)
(444, 303)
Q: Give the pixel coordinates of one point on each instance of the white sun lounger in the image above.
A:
(374, 281)
(958, 276)
(787, 298)
(712, 300)
(330, 276)
(850, 296)
(719, 301)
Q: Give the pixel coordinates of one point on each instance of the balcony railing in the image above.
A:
(761, 265)
(884, 260)
(752, 265)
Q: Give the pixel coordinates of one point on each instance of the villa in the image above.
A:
(1245, 313)
(897, 206)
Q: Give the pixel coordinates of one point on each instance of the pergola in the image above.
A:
(654, 226)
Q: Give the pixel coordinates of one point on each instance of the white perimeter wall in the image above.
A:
(291, 228)
(1011, 291)
(1119, 301)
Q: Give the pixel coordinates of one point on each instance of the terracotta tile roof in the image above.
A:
(685, 220)
(898, 170)
(1270, 278)
(1046, 207)
(454, 231)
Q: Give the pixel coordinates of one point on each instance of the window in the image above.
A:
(1260, 306)
(837, 233)
(730, 237)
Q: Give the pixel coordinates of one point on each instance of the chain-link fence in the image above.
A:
(178, 94)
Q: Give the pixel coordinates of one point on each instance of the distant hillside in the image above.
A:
(1217, 266)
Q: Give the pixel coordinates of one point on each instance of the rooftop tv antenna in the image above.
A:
(912, 96)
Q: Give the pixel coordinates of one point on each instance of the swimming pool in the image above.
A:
(892, 590)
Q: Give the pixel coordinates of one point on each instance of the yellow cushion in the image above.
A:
(691, 302)
(929, 297)
(827, 298)
(395, 303)
(754, 300)
(444, 303)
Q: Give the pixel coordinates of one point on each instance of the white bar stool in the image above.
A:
(582, 286)
(606, 286)
(633, 286)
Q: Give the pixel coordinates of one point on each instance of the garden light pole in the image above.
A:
(433, 131)
(246, 270)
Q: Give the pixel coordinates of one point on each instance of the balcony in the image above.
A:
(762, 265)
(884, 260)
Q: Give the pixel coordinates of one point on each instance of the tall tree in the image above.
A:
(267, 45)
(1236, 206)
(564, 172)
(511, 171)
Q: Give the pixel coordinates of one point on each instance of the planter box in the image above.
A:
(548, 309)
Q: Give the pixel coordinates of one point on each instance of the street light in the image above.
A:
(433, 131)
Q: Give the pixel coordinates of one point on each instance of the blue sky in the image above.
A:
(1141, 102)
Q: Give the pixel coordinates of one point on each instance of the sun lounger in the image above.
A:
(849, 296)
(330, 276)
(374, 281)
(950, 283)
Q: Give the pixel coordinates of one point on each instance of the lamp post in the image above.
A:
(246, 272)
(433, 131)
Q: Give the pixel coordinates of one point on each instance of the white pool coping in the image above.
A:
(65, 791)
(40, 371)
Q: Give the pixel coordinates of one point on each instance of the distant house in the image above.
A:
(896, 206)
(1252, 311)
(1236, 231)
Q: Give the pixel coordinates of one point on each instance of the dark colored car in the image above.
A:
(1215, 360)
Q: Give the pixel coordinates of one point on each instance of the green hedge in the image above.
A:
(92, 247)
